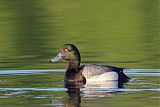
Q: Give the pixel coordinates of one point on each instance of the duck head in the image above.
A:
(68, 52)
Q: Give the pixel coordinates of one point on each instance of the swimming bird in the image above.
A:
(87, 73)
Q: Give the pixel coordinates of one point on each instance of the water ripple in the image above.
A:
(137, 72)
(82, 89)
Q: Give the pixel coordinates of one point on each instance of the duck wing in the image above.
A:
(96, 69)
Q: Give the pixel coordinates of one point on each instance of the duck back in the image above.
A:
(93, 70)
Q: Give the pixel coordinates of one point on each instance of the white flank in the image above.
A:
(108, 76)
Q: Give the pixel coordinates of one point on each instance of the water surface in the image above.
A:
(45, 88)
(121, 33)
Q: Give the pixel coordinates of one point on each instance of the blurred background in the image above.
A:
(121, 33)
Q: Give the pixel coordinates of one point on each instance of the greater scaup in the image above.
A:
(87, 73)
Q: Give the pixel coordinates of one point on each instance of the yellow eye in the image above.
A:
(66, 50)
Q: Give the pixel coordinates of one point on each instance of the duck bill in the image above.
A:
(57, 58)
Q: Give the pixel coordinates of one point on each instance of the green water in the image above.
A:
(45, 89)
(122, 33)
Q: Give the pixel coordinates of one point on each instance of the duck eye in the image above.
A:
(66, 50)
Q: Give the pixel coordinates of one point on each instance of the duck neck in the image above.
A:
(73, 66)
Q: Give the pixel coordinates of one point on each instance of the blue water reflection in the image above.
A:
(144, 72)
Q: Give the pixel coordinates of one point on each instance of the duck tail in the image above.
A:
(123, 76)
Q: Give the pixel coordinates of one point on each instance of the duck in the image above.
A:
(76, 74)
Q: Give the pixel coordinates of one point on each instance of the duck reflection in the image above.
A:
(77, 91)
(73, 97)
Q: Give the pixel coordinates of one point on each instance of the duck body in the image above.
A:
(100, 73)
(76, 74)
(95, 72)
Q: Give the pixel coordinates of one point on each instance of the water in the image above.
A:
(121, 33)
(27, 88)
